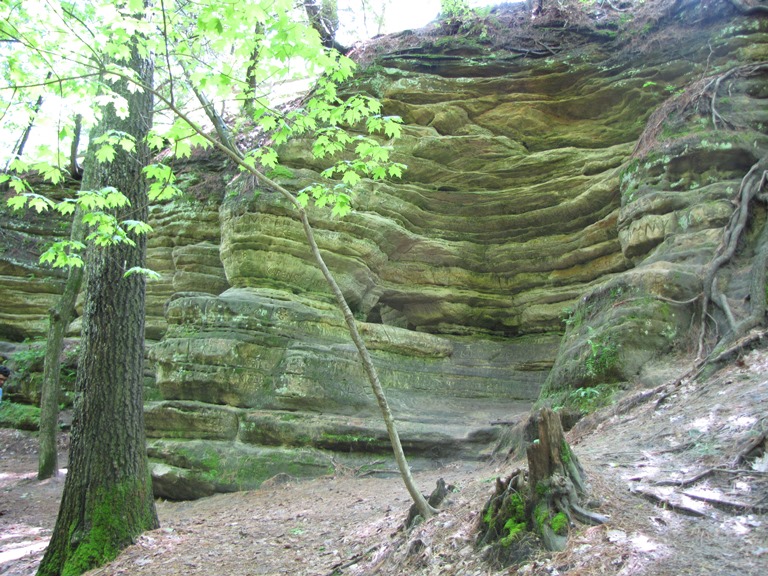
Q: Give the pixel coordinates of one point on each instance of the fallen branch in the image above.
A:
(356, 559)
(727, 505)
(658, 499)
(687, 481)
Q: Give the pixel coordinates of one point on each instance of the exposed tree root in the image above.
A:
(544, 504)
(727, 505)
(668, 503)
(705, 474)
(746, 7)
(751, 185)
(700, 96)
(687, 481)
(749, 446)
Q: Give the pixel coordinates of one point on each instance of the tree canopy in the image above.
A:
(71, 54)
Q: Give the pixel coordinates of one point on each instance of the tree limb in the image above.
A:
(425, 509)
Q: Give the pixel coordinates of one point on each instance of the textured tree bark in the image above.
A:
(546, 501)
(107, 499)
(556, 483)
(324, 18)
(60, 317)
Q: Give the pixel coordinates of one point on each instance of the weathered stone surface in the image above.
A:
(190, 420)
(677, 195)
(28, 290)
(537, 188)
(247, 348)
(185, 252)
(183, 469)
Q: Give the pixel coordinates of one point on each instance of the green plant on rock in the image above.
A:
(19, 416)
(603, 355)
(456, 16)
(586, 400)
(574, 317)
(31, 359)
(455, 10)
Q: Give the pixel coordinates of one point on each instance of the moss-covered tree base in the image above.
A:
(113, 518)
(538, 508)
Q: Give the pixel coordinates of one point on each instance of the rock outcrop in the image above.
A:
(563, 175)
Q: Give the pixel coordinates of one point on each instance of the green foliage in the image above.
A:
(589, 398)
(211, 47)
(105, 144)
(456, 16)
(28, 363)
(30, 359)
(162, 181)
(19, 416)
(574, 317)
(602, 357)
(455, 10)
(104, 227)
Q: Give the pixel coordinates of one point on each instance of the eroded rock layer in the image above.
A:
(562, 171)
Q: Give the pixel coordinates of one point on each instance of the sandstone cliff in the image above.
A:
(568, 184)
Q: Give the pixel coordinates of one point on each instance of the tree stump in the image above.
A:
(556, 484)
(546, 503)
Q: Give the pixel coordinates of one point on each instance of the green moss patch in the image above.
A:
(19, 416)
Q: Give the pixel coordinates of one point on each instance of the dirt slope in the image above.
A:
(345, 524)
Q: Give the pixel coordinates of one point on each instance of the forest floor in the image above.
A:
(642, 456)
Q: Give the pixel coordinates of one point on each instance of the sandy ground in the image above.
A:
(636, 454)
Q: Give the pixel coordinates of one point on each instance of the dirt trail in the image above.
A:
(352, 526)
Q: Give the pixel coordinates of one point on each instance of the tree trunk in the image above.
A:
(324, 18)
(60, 317)
(556, 484)
(547, 502)
(424, 508)
(107, 498)
(249, 104)
(75, 170)
(18, 149)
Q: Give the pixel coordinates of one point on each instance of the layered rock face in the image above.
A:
(27, 290)
(563, 173)
(682, 196)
